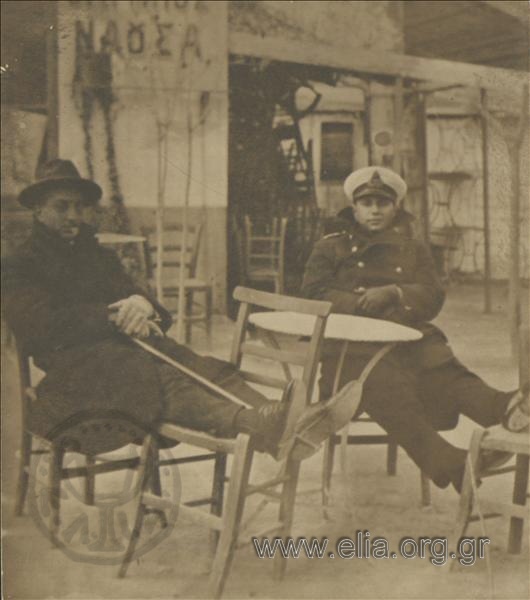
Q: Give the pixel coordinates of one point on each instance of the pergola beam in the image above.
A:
(378, 63)
(518, 9)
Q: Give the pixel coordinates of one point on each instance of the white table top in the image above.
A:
(339, 327)
(118, 238)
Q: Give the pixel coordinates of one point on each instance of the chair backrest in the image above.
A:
(304, 353)
(171, 250)
(24, 378)
(265, 249)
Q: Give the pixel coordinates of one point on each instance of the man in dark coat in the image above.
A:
(370, 265)
(74, 309)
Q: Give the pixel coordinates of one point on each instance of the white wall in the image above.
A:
(150, 86)
(338, 105)
(169, 67)
(347, 103)
(457, 145)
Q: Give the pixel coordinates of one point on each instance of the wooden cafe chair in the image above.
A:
(474, 506)
(225, 515)
(195, 313)
(264, 255)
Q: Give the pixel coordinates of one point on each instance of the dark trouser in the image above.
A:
(189, 404)
(411, 404)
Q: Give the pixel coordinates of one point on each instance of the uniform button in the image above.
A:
(360, 264)
(354, 249)
(399, 270)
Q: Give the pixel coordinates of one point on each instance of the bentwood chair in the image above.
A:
(92, 436)
(225, 515)
(171, 263)
(265, 253)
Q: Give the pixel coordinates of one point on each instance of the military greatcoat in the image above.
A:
(55, 299)
(345, 263)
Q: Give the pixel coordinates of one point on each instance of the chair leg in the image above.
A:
(391, 458)
(56, 465)
(425, 483)
(135, 535)
(327, 471)
(287, 504)
(277, 285)
(466, 495)
(218, 487)
(90, 481)
(520, 489)
(235, 503)
(188, 312)
(208, 310)
(156, 484)
(23, 472)
(144, 477)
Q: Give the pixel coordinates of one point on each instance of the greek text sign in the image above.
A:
(176, 40)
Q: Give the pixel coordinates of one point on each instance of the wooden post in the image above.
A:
(52, 89)
(185, 214)
(514, 289)
(514, 146)
(485, 200)
(368, 123)
(398, 117)
(162, 158)
(422, 145)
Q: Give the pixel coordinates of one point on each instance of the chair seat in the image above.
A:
(498, 438)
(197, 438)
(265, 272)
(189, 284)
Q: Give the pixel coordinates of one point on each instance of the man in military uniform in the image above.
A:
(74, 309)
(371, 266)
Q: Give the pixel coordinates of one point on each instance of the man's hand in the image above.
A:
(374, 300)
(131, 315)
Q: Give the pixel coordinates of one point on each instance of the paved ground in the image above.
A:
(385, 506)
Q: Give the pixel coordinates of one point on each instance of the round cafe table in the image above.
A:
(347, 329)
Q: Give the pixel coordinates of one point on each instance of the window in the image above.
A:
(337, 151)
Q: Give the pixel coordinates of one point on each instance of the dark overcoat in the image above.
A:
(55, 300)
(349, 259)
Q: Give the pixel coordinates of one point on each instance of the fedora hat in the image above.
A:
(56, 173)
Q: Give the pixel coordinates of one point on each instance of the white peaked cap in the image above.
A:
(384, 176)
